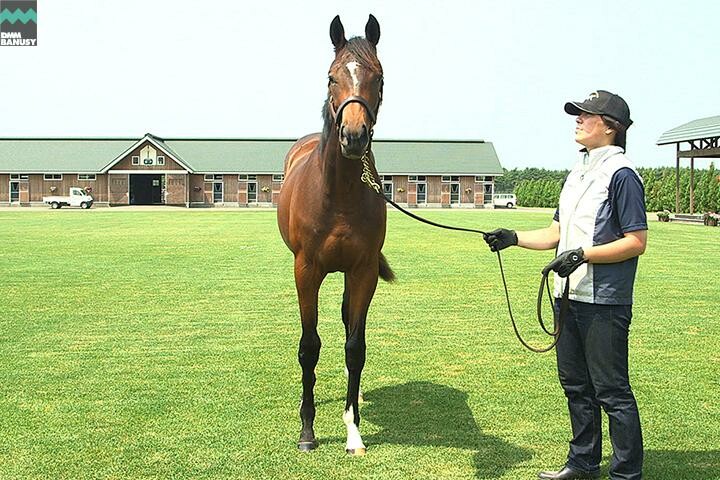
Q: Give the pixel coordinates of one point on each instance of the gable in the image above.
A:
(149, 148)
(147, 156)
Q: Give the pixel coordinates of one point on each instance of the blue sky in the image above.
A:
(498, 71)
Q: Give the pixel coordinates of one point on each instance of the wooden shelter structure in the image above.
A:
(702, 137)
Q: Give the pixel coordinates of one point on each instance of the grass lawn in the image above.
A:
(163, 344)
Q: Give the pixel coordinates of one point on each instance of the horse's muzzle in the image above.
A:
(354, 144)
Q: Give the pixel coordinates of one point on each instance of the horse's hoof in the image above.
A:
(356, 452)
(307, 446)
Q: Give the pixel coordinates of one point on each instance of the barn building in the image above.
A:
(202, 172)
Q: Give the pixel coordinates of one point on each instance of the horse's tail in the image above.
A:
(386, 272)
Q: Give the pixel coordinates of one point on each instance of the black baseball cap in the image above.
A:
(602, 102)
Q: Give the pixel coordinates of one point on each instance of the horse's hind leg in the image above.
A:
(308, 281)
(359, 289)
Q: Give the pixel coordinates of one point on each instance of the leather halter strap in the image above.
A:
(337, 115)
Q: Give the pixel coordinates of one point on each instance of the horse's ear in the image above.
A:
(372, 30)
(337, 33)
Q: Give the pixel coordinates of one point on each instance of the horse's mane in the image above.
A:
(361, 51)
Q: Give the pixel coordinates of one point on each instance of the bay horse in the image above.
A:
(333, 222)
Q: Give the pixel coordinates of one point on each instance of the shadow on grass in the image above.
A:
(423, 413)
(676, 464)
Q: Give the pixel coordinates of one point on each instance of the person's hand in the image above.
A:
(566, 263)
(500, 238)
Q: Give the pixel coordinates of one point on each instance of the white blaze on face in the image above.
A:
(354, 441)
(353, 69)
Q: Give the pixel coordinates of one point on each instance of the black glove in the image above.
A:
(566, 263)
(500, 238)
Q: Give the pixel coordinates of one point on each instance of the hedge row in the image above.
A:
(541, 188)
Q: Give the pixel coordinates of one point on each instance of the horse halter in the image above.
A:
(337, 115)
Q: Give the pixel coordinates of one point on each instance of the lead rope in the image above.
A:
(368, 178)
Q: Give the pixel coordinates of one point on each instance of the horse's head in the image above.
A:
(355, 83)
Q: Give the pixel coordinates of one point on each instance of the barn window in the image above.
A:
(454, 193)
(421, 193)
(387, 186)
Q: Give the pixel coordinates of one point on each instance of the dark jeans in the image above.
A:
(592, 360)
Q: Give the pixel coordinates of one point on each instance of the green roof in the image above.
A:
(88, 155)
(436, 157)
(33, 155)
(702, 128)
(232, 156)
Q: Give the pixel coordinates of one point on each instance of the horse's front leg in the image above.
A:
(359, 289)
(345, 319)
(307, 282)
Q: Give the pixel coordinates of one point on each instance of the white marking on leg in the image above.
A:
(354, 441)
(353, 69)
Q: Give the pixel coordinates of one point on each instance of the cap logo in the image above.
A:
(592, 96)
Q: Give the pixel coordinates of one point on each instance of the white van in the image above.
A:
(504, 200)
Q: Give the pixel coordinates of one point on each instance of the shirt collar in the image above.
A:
(598, 155)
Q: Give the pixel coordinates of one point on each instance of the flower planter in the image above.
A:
(711, 219)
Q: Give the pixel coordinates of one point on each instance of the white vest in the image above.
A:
(585, 190)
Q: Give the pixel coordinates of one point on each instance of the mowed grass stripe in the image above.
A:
(163, 345)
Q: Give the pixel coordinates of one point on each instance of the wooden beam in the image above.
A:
(702, 153)
(692, 183)
(709, 143)
(677, 179)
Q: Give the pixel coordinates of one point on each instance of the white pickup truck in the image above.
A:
(78, 198)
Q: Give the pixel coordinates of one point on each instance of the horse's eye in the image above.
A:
(331, 80)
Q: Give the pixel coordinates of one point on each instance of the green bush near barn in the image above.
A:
(537, 187)
(163, 344)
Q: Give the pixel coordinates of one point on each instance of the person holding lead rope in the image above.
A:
(599, 230)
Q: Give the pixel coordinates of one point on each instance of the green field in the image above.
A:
(163, 344)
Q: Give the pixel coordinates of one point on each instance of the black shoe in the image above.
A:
(568, 473)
